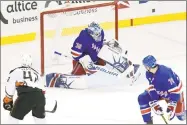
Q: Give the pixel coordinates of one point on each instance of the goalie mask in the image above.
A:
(95, 31)
(26, 60)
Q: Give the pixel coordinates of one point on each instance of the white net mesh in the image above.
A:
(61, 29)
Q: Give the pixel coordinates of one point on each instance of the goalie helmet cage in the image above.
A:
(69, 9)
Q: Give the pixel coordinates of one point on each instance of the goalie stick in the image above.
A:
(60, 54)
(54, 109)
(100, 69)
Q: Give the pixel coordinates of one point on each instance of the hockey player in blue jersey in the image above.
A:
(164, 84)
(89, 42)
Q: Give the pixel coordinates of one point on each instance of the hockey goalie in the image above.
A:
(91, 54)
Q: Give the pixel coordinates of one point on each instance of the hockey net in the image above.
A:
(60, 27)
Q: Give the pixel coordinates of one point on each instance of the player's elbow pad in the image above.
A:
(76, 55)
(10, 90)
(174, 97)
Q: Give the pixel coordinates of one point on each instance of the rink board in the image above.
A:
(106, 26)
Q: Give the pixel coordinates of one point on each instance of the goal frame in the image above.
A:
(42, 14)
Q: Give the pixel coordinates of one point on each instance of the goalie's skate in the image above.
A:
(134, 75)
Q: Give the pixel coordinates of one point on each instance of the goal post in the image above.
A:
(44, 22)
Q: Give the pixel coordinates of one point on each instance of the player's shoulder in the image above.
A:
(83, 36)
(83, 32)
(164, 69)
(15, 70)
(21, 69)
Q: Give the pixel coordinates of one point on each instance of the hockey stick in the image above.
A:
(54, 109)
(164, 119)
(60, 54)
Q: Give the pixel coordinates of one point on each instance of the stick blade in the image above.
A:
(54, 109)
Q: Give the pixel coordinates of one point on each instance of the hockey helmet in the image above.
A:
(26, 60)
(95, 31)
(149, 61)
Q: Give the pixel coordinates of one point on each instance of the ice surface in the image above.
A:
(113, 100)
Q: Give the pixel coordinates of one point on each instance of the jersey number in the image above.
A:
(27, 75)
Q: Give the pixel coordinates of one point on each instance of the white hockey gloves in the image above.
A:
(171, 110)
(156, 107)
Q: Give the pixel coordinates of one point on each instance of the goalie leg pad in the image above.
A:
(65, 81)
(78, 68)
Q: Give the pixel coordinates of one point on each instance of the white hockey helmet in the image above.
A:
(26, 60)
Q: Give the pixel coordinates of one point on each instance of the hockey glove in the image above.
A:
(8, 103)
(171, 109)
(156, 107)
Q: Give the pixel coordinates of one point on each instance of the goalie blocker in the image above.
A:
(116, 58)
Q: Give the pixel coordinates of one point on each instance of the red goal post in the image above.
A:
(42, 22)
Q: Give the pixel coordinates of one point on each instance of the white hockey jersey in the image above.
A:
(22, 79)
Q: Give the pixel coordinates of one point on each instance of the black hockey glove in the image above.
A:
(7, 103)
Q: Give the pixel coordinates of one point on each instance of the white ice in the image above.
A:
(115, 102)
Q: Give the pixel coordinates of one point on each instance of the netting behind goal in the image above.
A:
(59, 28)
